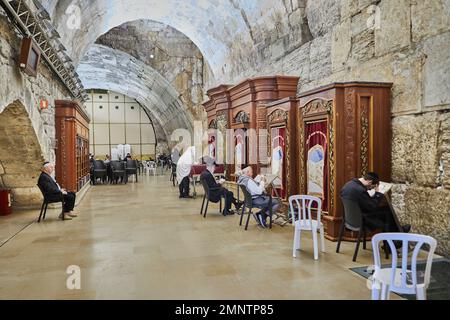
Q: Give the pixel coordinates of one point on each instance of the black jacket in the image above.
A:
(354, 190)
(49, 187)
(215, 189)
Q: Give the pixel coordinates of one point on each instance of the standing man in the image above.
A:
(260, 199)
(53, 191)
(184, 167)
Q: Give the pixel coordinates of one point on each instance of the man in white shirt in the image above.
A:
(260, 199)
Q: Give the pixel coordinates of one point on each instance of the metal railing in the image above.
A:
(34, 21)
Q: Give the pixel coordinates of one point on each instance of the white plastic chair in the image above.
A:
(400, 279)
(306, 222)
(150, 166)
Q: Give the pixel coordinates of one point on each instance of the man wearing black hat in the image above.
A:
(216, 191)
(377, 215)
(53, 191)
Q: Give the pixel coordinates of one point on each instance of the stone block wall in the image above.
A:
(169, 52)
(406, 42)
(27, 134)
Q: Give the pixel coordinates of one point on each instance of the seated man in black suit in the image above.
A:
(377, 215)
(216, 191)
(53, 191)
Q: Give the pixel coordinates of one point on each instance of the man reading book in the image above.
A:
(366, 192)
(216, 190)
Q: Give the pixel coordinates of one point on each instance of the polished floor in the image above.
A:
(139, 241)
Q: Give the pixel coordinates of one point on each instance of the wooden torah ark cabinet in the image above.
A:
(281, 118)
(344, 132)
(248, 111)
(72, 153)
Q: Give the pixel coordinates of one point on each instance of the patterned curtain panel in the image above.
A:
(317, 161)
(279, 159)
(240, 151)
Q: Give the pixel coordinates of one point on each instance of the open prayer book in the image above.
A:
(269, 179)
(273, 179)
(384, 188)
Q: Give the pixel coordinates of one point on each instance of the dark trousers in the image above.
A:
(263, 203)
(69, 202)
(381, 219)
(229, 199)
(184, 187)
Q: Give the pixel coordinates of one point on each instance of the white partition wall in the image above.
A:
(118, 119)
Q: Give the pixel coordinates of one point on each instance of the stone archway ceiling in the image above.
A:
(109, 69)
(212, 25)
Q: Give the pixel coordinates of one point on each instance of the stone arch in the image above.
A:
(189, 17)
(110, 69)
(20, 155)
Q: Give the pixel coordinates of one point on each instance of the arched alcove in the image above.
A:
(20, 156)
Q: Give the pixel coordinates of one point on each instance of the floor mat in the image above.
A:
(439, 288)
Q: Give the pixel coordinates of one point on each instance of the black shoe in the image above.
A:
(406, 228)
(262, 221)
(256, 217)
(239, 205)
(231, 212)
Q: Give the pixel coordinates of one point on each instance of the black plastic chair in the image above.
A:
(206, 198)
(99, 171)
(353, 220)
(132, 168)
(118, 170)
(45, 204)
(248, 204)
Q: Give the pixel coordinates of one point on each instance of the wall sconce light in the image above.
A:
(43, 105)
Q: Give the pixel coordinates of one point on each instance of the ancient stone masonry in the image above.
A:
(167, 51)
(406, 42)
(26, 135)
(106, 68)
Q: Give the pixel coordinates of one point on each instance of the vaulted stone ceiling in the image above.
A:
(169, 52)
(233, 38)
(106, 68)
(229, 33)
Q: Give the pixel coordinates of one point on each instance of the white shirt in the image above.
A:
(254, 188)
